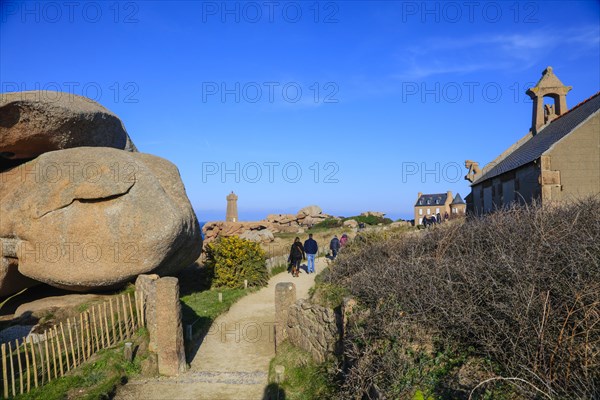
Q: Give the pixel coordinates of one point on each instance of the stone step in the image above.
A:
(226, 377)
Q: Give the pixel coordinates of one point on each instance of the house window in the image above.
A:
(420, 211)
(453, 210)
(428, 201)
(437, 201)
(437, 210)
(428, 211)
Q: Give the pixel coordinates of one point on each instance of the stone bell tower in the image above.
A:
(232, 212)
(548, 86)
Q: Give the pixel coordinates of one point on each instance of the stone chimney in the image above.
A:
(419, 196)
(548, 86)
(232, 211)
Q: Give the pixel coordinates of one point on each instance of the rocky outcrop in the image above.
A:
(351, 223)
(373, 213)
(38, 308)
(83, 227)
(262, 231)
(36, 122)
(264, 236)
(213, 230)
(80, 208)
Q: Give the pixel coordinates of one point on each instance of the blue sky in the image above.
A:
(350, 105)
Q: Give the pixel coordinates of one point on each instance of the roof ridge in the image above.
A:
(575, 107)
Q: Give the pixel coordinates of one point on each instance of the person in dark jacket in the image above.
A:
(334, 246)
(296, 256)
(311, 248)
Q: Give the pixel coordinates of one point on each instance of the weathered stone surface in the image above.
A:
(149, 366)
(309, 211)
(285, 296)
(36, 122)
(373, 213)
(264, 235)
(314, 329)
(170, 344)
(90, 218)
(213, 230)
(351, 223)
(38, 307)
(146, 285)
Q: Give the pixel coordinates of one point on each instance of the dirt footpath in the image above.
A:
(233, 360)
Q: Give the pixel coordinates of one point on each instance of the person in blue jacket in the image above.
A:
(311, 248)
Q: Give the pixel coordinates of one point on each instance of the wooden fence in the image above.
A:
(38, 359)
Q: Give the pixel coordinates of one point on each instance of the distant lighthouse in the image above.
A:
(232, 213)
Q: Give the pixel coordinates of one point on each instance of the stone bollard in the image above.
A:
(279, 373)
(146, 284)
(285, 296)
(128, 351)
(170, 344)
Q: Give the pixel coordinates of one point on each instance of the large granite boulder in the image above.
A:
(35, 122)
(262, 236)
(309, 211)
(95, 217)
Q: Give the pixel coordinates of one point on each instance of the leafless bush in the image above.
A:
(521, 287)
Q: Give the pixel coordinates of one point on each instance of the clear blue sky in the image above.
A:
(383, 99)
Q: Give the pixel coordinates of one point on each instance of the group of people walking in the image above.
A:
(434, 219)
(309, 250)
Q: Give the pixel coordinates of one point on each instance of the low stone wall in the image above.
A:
(314, 328)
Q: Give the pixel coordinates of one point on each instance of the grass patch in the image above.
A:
(96, 379)
(326, 293)
(279, 269)
(304, 379)
(202, 308)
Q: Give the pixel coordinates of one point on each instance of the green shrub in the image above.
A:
(232, 260)
(328, 223)
(370, 220)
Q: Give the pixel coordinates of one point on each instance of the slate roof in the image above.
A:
(544, 139)
(457, 200)
(441, 197)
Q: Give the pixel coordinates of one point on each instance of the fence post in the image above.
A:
(64, 339)
(131, 313)
(27, 365)
(59, 351)
(35, 377)
(88, 340)
(119, 319)
(137, 307)
(19, 365)
(125, 318)
(12, 370)
(4, 372)
(105, 312)
(112, 320)
(47, 356)
(71, 343)
(77, 343)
